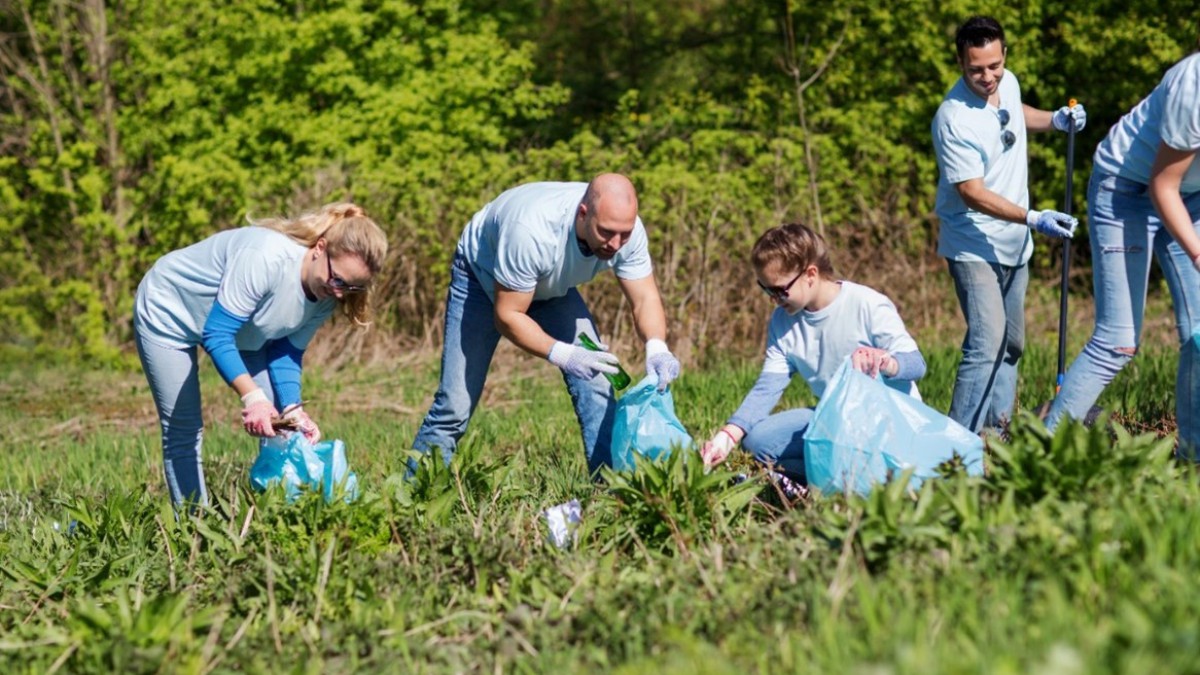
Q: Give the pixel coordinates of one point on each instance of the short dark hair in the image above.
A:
(794, 247)
(978, 31)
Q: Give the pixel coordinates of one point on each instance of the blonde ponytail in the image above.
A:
(347, 230)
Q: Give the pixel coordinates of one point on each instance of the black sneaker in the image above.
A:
(791, 489)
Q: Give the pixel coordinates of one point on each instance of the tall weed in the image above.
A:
(673, 502)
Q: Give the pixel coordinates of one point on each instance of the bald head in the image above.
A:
(607, 214)
(611, 196)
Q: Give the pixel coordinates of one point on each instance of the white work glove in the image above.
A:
(873, 362)
(582, 362)
(1061, 119)
(303, 423)
(661, 363)
(1051, 223)
(257, 413)
(715, 451)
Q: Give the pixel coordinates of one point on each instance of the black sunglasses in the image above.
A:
(1008, 137)
(337, 283)
(779, 292)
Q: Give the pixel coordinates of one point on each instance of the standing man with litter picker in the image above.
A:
(1143, 200)
(514, 274)
(983, 206)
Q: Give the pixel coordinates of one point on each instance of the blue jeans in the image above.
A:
(174, 378)
(992, 298)
(1125, 232)
(469, 343)
(779, 441)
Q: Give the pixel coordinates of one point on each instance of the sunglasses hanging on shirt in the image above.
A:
(1007, 137)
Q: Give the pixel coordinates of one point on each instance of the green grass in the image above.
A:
(1074, 555)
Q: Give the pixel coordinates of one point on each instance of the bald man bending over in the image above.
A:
(514, 274)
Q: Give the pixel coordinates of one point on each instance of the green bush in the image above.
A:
(128, 137)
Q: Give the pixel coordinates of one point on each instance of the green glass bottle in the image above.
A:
(620, 379)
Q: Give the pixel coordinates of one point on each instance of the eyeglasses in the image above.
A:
(1008, 138)
(780, 292)
(337, 283)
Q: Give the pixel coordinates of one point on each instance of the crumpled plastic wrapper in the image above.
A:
(563, 521)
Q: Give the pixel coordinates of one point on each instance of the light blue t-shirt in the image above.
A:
(814, 344)
(1171, 115)
(525, 240)
(969, 143)
(253, 271)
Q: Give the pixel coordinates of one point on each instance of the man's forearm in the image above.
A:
(1038, 120)
(649, 318)
(987, 202)
(651, 323)
(525, 333)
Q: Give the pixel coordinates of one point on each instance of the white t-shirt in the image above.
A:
(814, 344)
(968, 142)
(1171, 115)
(253, 271)
(525, 240)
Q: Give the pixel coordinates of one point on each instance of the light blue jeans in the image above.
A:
(174, 378)
(992, 298)
(470, 342)
(1125, 232)
(778, 441)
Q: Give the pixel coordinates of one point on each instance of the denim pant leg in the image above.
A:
(1014, 282)
(1121, 234)
(992, 298)
(1184, 283)
(173, 375)
(469, 342)
(779, 441)
(595, 405)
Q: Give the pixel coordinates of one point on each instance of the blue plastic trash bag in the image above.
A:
(645, 424)
(864, 432)
(290, 459)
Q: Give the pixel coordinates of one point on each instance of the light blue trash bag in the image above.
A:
(645, 424)
(864, 432)
(290, 459)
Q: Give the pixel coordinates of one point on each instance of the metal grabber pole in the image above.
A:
(1066, 254)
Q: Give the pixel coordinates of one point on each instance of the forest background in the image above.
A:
(129, 128)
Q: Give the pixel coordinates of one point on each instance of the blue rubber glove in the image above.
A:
(1051, 223)
(661, 363)
(582, 362)
(1061, 119)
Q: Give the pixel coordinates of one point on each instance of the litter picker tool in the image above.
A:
(1066, 252)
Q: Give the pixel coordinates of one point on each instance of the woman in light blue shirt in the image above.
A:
(252, 297)
(1143, 200)
(818, 323)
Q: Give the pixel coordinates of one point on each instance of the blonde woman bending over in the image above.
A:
(252, 297)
